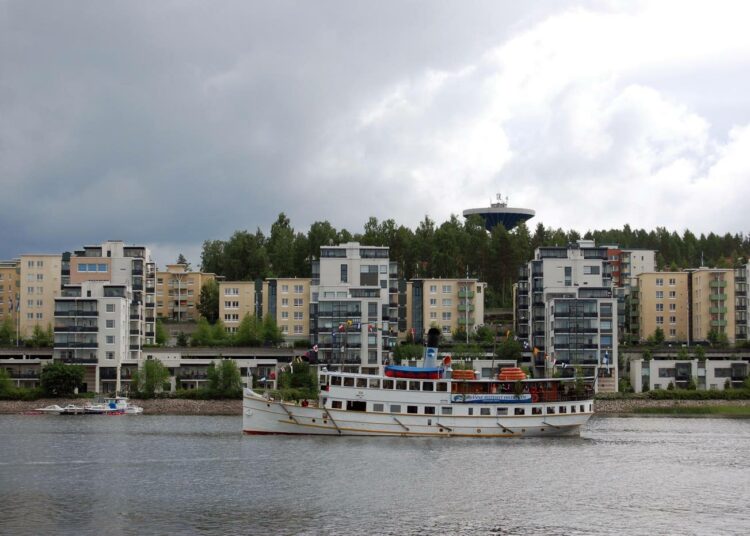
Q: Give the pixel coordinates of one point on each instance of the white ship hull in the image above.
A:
(262, 416)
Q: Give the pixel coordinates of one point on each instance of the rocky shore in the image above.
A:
(174, 406)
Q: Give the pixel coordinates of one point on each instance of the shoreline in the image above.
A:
(178, 406)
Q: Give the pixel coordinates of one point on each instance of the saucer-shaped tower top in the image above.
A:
(500, 212)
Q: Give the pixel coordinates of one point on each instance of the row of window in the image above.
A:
(298, 302)
(447, 289)
(34, 277)
(298, 329)
(298, 289)
(378, 407)
(375, 383)
(660, 294)
(298, 315)
(660, 306)
(660, 282)
(660, 320)
(92, 267)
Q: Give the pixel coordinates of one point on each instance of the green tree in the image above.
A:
(6, 384)
(182, 340)
(161, 333)
(219, 333)
(700, 353)
(271, 332)
(41, 338)
(508, 349)
(59, 379)
(202, 335)
(281, 247)
(150, 379)
(658, 336)
(249, 332)
(299, 381)
(224, 380)
(682, 354)
(209, 301)
(407, 351)
(7, 332)
(182, 260)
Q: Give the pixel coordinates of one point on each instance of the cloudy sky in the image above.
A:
(172, 122)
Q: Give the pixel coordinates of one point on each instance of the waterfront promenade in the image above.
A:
(176, 406)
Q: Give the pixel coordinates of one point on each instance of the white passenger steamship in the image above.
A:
(428, 401)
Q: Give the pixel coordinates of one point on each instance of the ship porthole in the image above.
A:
(542, 429)
(313, 420)
(479, 430)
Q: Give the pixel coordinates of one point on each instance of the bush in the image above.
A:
(59, 379)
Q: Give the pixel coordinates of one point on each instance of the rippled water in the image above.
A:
(199, 475)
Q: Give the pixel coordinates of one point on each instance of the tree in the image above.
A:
(202, 334)
(299, 381)
(182, 340)
(6, 385)
(218, 333)
(7, 332)
(182, 260)
(682, 354)
(59, 379)
(224, 380)
(407, 351)
(658, 336)
(41, 338)
(161, 333)
(700, 353)
(150, 379)
(249, 332)
(271, 332)
(509, 349)
(209, 303)
(281, 247)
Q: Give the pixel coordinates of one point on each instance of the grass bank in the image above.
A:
(719, 411)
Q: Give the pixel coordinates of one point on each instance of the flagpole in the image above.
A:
(18, 320)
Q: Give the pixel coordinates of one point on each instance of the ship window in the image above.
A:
(562, 409)
(336, 404)
(520, 411)
(413, 386)
(441, 386)
(401, 385)
(412, 409)
(572, 409)
(387, 384)
(362, 382)
(356, 405)
(395, 408)
(348, 382)
(471, 411)
(591, 408)
(502, 411)
(484, 411)
(536, 411)
(429, 410)
(446, 410)
(377, 407)
(428, 386)
(374, 383)
(550, 410)
(335, 380)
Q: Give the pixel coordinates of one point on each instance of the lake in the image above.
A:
(200, 475)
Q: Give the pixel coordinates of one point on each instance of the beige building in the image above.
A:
(178, 292)
(712, 303)
(39, 282)
(10, 289)
(662, 301)
(448, 304)
(236, 299)
(287, 300)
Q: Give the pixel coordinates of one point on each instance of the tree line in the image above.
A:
(448, 249)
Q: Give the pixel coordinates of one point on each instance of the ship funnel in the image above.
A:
(431, 351)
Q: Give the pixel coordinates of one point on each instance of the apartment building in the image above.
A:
(287, 301)
(93, 329)
(662, 300)
(712, 303)
(39, 281)
(10, 290)
(706, 374)
(450, 305)
(354, 306)
(566, 310)
(740, 303)
(178, 292)
(237, 299)
(131, 266)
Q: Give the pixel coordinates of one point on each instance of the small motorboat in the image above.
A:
(54, 409)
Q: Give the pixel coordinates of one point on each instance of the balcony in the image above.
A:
(74, 344)
(718, 297)
(462, 320)
(76, 329)
(718, 323)
(135, 316)
(135, 331)
(79, 360)
(150, 305)
(138, 270)
(76, 312)
(463, 308)
(718, 310)
(717, 284)
(465, 293)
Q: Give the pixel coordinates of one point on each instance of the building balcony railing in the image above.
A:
(717, 284)
(718, 310)
(135, 331)
(76, 312)
(137, 271)
(465, 293)
(79, 360)
(74, 344)
(462, 320)
(718, 323)
(718, 297)
(462, 307)
(76, 329)
(24, 375)
(150, 305)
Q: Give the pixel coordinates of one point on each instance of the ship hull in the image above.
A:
(264, 417)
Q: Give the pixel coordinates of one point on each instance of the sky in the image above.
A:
(173, 122)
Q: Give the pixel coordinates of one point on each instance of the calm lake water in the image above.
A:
(199, 475)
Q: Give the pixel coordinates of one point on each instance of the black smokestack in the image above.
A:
(433, 338)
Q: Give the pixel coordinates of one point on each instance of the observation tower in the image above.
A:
(500, 212)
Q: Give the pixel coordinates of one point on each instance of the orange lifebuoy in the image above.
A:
(447, 361)
(534, 397)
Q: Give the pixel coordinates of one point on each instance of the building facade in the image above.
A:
(40, 282)
(10, 291)
(451, 305)
(287, 301)
(178, 293)
(236, 300)
(703, 374)
(740, 303)
(712, 303)
(354, 306)
(663, 301)
(566, 311)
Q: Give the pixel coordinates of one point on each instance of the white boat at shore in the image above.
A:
(110, 406)
(428, 402)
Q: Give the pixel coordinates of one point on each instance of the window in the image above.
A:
(30, 303)
(284, 315)
(412, 409)
(30, 316)
(502, 411)
(441, 386)
(672, 281)
(659, 306)
(568, 276)
(387, 384)
(110, 339)
(299, 315)
(672, 332)
(298, 302)
(484, 411)
(414, 386)
(40, 277)
(659, 320)
(344, 273)
(285, 329)
(562, 409)
(110, 324)
(109, 355)
(433, 302)
(446, 315)
(285, 302)
(298, 289)
(395, 408)
(110, 308)
(433, 315)
(447, 302)
(30, 290)
(672, 319)
(591, 270)
(39, 264)
(39, 316)
(672, 294)
(231, 291)
(520, 411)
(428, 386)
(550, 410)
(284, 289)
(336, 404)
(659, 294)
(447, 289)
(659, 283)
(231, 305)
(401, 385)
(672, 306)
(433, 289)
(297, 329)
(446, 410)
(446, 330)
(378, 407)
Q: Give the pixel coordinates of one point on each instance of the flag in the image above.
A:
(357, 326)
(370, 328)
(315, 348)
(341, 327)
(535, 351)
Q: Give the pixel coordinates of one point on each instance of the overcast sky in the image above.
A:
(169, 123)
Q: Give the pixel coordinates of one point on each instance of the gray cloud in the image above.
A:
(171, 123)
